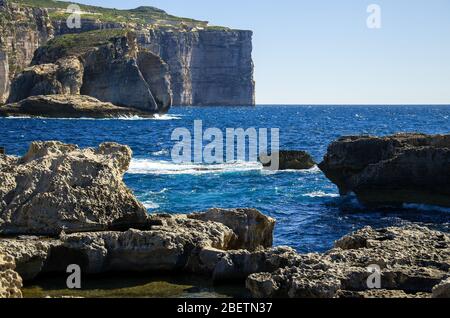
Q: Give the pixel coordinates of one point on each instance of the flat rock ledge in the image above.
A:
(68, 106)
(413, 262)
(392, 170)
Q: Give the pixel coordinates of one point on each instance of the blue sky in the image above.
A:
(321, 51)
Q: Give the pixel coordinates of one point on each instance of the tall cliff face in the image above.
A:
(208, 67)
(22, 31)
(105, 64)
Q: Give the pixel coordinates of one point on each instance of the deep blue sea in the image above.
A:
(310, 215)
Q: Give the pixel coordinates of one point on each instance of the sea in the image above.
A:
(309, 212)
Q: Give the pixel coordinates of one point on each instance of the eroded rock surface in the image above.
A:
(58, 187)
(10, 281)
(404, 168)
(254, 230)
(412, 260)
(63, 77)
(171, 243)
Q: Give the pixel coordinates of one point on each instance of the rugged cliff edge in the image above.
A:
(391, 170)
(207, 65)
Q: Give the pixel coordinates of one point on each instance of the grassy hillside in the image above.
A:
(144, 15)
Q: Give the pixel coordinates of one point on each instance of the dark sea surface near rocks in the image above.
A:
(309, 212)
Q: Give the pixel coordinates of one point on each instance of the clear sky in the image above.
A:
(322, 52)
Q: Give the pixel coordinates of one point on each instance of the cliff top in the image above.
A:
(79, 43)
(142, 15)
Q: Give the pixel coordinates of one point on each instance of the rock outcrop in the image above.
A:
(412, 261)
(63, 77)
(254, 230)
(10, 281)
(170, 243)
(22, 31)
(290, 160)
(57, 187)
(404, 168)
(68, 106)
(101, 64)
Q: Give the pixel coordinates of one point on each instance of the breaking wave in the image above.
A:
(321, 194)
(160, 167)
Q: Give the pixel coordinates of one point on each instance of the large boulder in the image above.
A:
(404, 168)
(290, 160)
(63, 77)
(10, 281)
(411, 260)
(57, 187)
(68, 106)
(253, 229)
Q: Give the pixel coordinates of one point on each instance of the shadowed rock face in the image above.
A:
(405, 168)
(68, 106)
(57, 187)
(109, 72)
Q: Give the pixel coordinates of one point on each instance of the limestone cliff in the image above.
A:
(22, 31)
(105, 64)
(207, 65)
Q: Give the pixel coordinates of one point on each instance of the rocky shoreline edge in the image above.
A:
(63, 205)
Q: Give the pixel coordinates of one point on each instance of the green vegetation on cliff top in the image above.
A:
(81, 42)
(144, 15)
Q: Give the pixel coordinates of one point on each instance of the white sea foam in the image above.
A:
(166, 117)
(313, 170)
(160, 167)
(161, 152)
(134, 117)
(321, 194)
(150, 205)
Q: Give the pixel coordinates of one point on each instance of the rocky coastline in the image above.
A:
(63, 205)
(143, 58)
